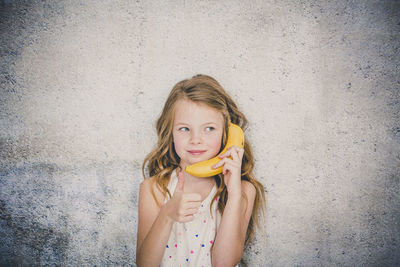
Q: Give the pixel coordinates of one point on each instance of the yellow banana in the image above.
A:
(203, 168)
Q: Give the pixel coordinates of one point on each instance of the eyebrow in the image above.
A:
(183, 123)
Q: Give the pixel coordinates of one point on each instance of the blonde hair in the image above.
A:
(163, 159)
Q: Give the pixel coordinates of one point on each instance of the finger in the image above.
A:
(225, 171)
(191, 211)
(223, 155)
(215, 165)
(238, 149)
(181, 182)
(230, 166)
(220, 163)
(227, 152)
(192, 197)
(225, 160)
(233, 148)
(192, 205)
(237, 154)
(234, 154)
(241, 152)
(188, 218)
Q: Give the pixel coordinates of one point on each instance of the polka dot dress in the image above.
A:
(189, 243)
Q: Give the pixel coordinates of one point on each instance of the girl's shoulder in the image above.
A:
(248, 187)
(149, 190)
(148, 182)
(249, 190)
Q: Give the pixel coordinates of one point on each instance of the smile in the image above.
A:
(196, 152)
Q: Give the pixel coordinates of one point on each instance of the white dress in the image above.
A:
(189, 243)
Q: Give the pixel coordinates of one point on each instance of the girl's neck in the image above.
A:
(193, 184)
(190, 179)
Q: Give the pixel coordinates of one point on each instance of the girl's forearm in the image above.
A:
(152, 249)
(228, 244)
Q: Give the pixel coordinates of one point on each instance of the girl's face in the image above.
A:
(197, 132)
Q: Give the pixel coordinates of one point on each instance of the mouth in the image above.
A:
(196, 152)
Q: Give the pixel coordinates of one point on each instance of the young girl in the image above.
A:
(186, 220)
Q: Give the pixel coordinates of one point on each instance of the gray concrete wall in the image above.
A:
(82, 83)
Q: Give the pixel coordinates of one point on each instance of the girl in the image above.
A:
(189, 221)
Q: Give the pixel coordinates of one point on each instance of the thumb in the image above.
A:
(181, 181)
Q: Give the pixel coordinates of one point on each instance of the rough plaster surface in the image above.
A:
(82, 83)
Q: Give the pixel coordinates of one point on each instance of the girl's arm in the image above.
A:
(231, 234)
(155, 224)
(229, 242)
(154, 227)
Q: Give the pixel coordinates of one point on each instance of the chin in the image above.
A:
(192, 160)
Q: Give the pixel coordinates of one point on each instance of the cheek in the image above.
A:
(216, 142)
(178, 143)
(177, 147)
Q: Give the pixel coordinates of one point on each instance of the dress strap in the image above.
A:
(174, 181)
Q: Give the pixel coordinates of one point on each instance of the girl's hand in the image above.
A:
(182, 206)
(232, 166)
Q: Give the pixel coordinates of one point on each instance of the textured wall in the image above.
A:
(82, 83)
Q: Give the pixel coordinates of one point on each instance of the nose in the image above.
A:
(195, 137)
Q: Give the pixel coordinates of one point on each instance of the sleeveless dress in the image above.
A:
(189, 243)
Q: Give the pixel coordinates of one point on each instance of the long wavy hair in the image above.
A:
(163, 159)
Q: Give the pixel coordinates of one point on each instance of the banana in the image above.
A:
(203, 168)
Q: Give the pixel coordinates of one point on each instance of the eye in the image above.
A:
(211, 128)
(180, 129)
